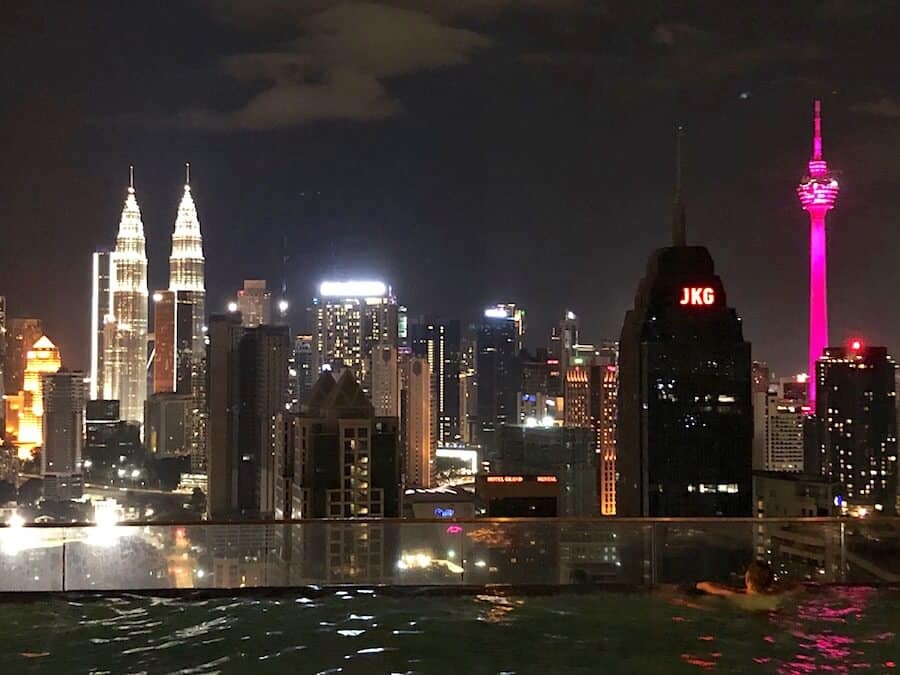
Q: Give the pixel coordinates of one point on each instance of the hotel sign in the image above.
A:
(520, 479)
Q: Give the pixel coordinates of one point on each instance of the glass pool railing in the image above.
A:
(517, 552)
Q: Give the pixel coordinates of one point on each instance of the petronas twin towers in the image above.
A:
(119, 349)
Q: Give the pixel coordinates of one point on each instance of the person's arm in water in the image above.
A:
(717, 589)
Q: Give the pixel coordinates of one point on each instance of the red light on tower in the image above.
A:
(856, 344)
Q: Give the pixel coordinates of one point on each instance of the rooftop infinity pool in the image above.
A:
(838, 629)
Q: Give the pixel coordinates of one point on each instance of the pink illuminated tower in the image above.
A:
(817, 191)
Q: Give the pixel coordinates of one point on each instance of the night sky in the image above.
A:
(466, 151)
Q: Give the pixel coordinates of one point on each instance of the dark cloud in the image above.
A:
(672, 34)
(884, 107)
(272, 10)
(843, 10)
(675, 55)
(338, 65)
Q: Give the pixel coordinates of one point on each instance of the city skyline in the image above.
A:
(565, 174)
(363, 330)
(473, 312)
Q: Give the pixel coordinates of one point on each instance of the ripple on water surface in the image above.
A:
(829, 629)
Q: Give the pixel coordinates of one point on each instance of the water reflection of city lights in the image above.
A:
(494, 537)
(16, 538)
(414, 561)
(25, 453)
(106, 531)
(421, 561)
(498, 607)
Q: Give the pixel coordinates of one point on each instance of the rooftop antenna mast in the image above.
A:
(285, 258)
(679, 236)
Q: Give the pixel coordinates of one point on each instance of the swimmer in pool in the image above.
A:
(760, 592)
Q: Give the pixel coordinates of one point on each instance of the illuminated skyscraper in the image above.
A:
(179, 340)
(254, 302)
(857, 426)
(353, 318)
(41, 359)
(468, 391)
(347, 460)
(21, 334)
(778, 436)
(817, 191)
(420, 447)
(164, 352)
(685, 421)
(577, 408)
(385, 381)
(567, 339)
(439, 342)
(509, 311)
(604, 409)
(125, 358)
(101, 309)
(778, 415)
(186, 275)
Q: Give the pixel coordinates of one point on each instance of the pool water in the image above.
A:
(828, 629)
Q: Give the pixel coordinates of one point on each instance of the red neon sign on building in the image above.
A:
(697, 295)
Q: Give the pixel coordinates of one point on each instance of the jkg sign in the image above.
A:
(697, 295)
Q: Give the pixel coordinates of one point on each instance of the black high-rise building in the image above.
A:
(498, 372)
(565, 453)
(248, 373)
(439, 343)
(64, 396)
(685, 420)
(346, 460)
(535, 373)
(302, 371)
(856, 416)
(110, 444)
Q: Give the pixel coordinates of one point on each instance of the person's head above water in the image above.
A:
(758, 578)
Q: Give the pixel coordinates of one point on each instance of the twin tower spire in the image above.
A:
(186, 263)
(125, 309)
